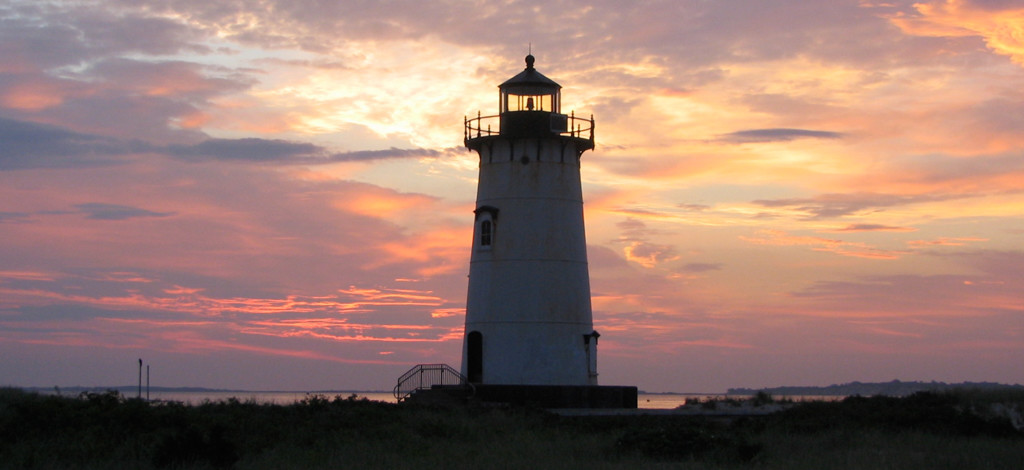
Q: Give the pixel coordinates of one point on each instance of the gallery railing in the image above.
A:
(484, 126)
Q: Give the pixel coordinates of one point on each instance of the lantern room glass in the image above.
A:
(512, 102)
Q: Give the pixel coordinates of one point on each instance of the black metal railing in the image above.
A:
(426, 376)
(484, 126)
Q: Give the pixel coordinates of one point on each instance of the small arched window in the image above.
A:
(486, 225)
(486, 232)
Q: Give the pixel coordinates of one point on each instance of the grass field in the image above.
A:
(958, 430)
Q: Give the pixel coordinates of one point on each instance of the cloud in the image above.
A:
(162, 311)
(99, 211)
(870, 228)
(790, 105)
(636, 246)
(931, 296)
(603, 258)
(159, 101)
(831, 245)
(631, 225)
(694, 207)
(979, 174)
(92, 210)
(945, 241)
(69, 65)
(824, 206)
(273, 150)
(701, 267)
(41, 35)
(642, 46)
(649, 254)
(367, 155)
(236, 228)
(998, 22)
(1001, 267)
(250, 149)
(32, 145)
(175, 79)
(13, 216)
(194, 145)
(776, 135)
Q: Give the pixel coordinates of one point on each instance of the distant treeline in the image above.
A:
(895, 388)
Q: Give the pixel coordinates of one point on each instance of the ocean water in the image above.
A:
(263, 397)
(644, 400)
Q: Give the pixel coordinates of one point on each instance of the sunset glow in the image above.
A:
(276, 197)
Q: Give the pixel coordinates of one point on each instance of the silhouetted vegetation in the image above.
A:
(935, 413)
(895, 388)
(689, 439)
(958, 429)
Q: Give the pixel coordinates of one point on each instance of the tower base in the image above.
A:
(540, 396)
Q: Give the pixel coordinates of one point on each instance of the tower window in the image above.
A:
(486, 218)
(486, 229)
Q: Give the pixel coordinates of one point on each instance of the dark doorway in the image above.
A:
(475, 356)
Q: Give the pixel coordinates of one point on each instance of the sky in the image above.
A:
(274, 195)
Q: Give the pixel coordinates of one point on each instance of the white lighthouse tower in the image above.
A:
(528, 314)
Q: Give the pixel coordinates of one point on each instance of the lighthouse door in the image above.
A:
(475, 357)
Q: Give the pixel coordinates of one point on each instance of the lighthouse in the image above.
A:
(529, 336)
(528, 311)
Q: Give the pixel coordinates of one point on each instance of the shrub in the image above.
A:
(678, 439)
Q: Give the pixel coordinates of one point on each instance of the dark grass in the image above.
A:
(955, 430)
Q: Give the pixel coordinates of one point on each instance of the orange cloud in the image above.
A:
(206, 319)
(28, 275)
(124, 277)
(191, 341)
(447, 312)
(194, 120)
(31, 97)
(380, 202)
(649, 255)
(438, 252)
(392, 296)
(37, 93)
(1001, 27)
(193, 301)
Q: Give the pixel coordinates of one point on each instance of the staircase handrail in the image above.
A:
(426, 376)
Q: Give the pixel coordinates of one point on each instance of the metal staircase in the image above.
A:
(432, 377)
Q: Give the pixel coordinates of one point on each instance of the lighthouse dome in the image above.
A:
(530, 82)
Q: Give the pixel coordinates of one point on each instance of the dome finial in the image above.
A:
(529, 61)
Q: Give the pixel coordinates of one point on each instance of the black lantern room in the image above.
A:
(530, 104)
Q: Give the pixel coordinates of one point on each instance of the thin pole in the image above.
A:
(140, 378)
(147, 382)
